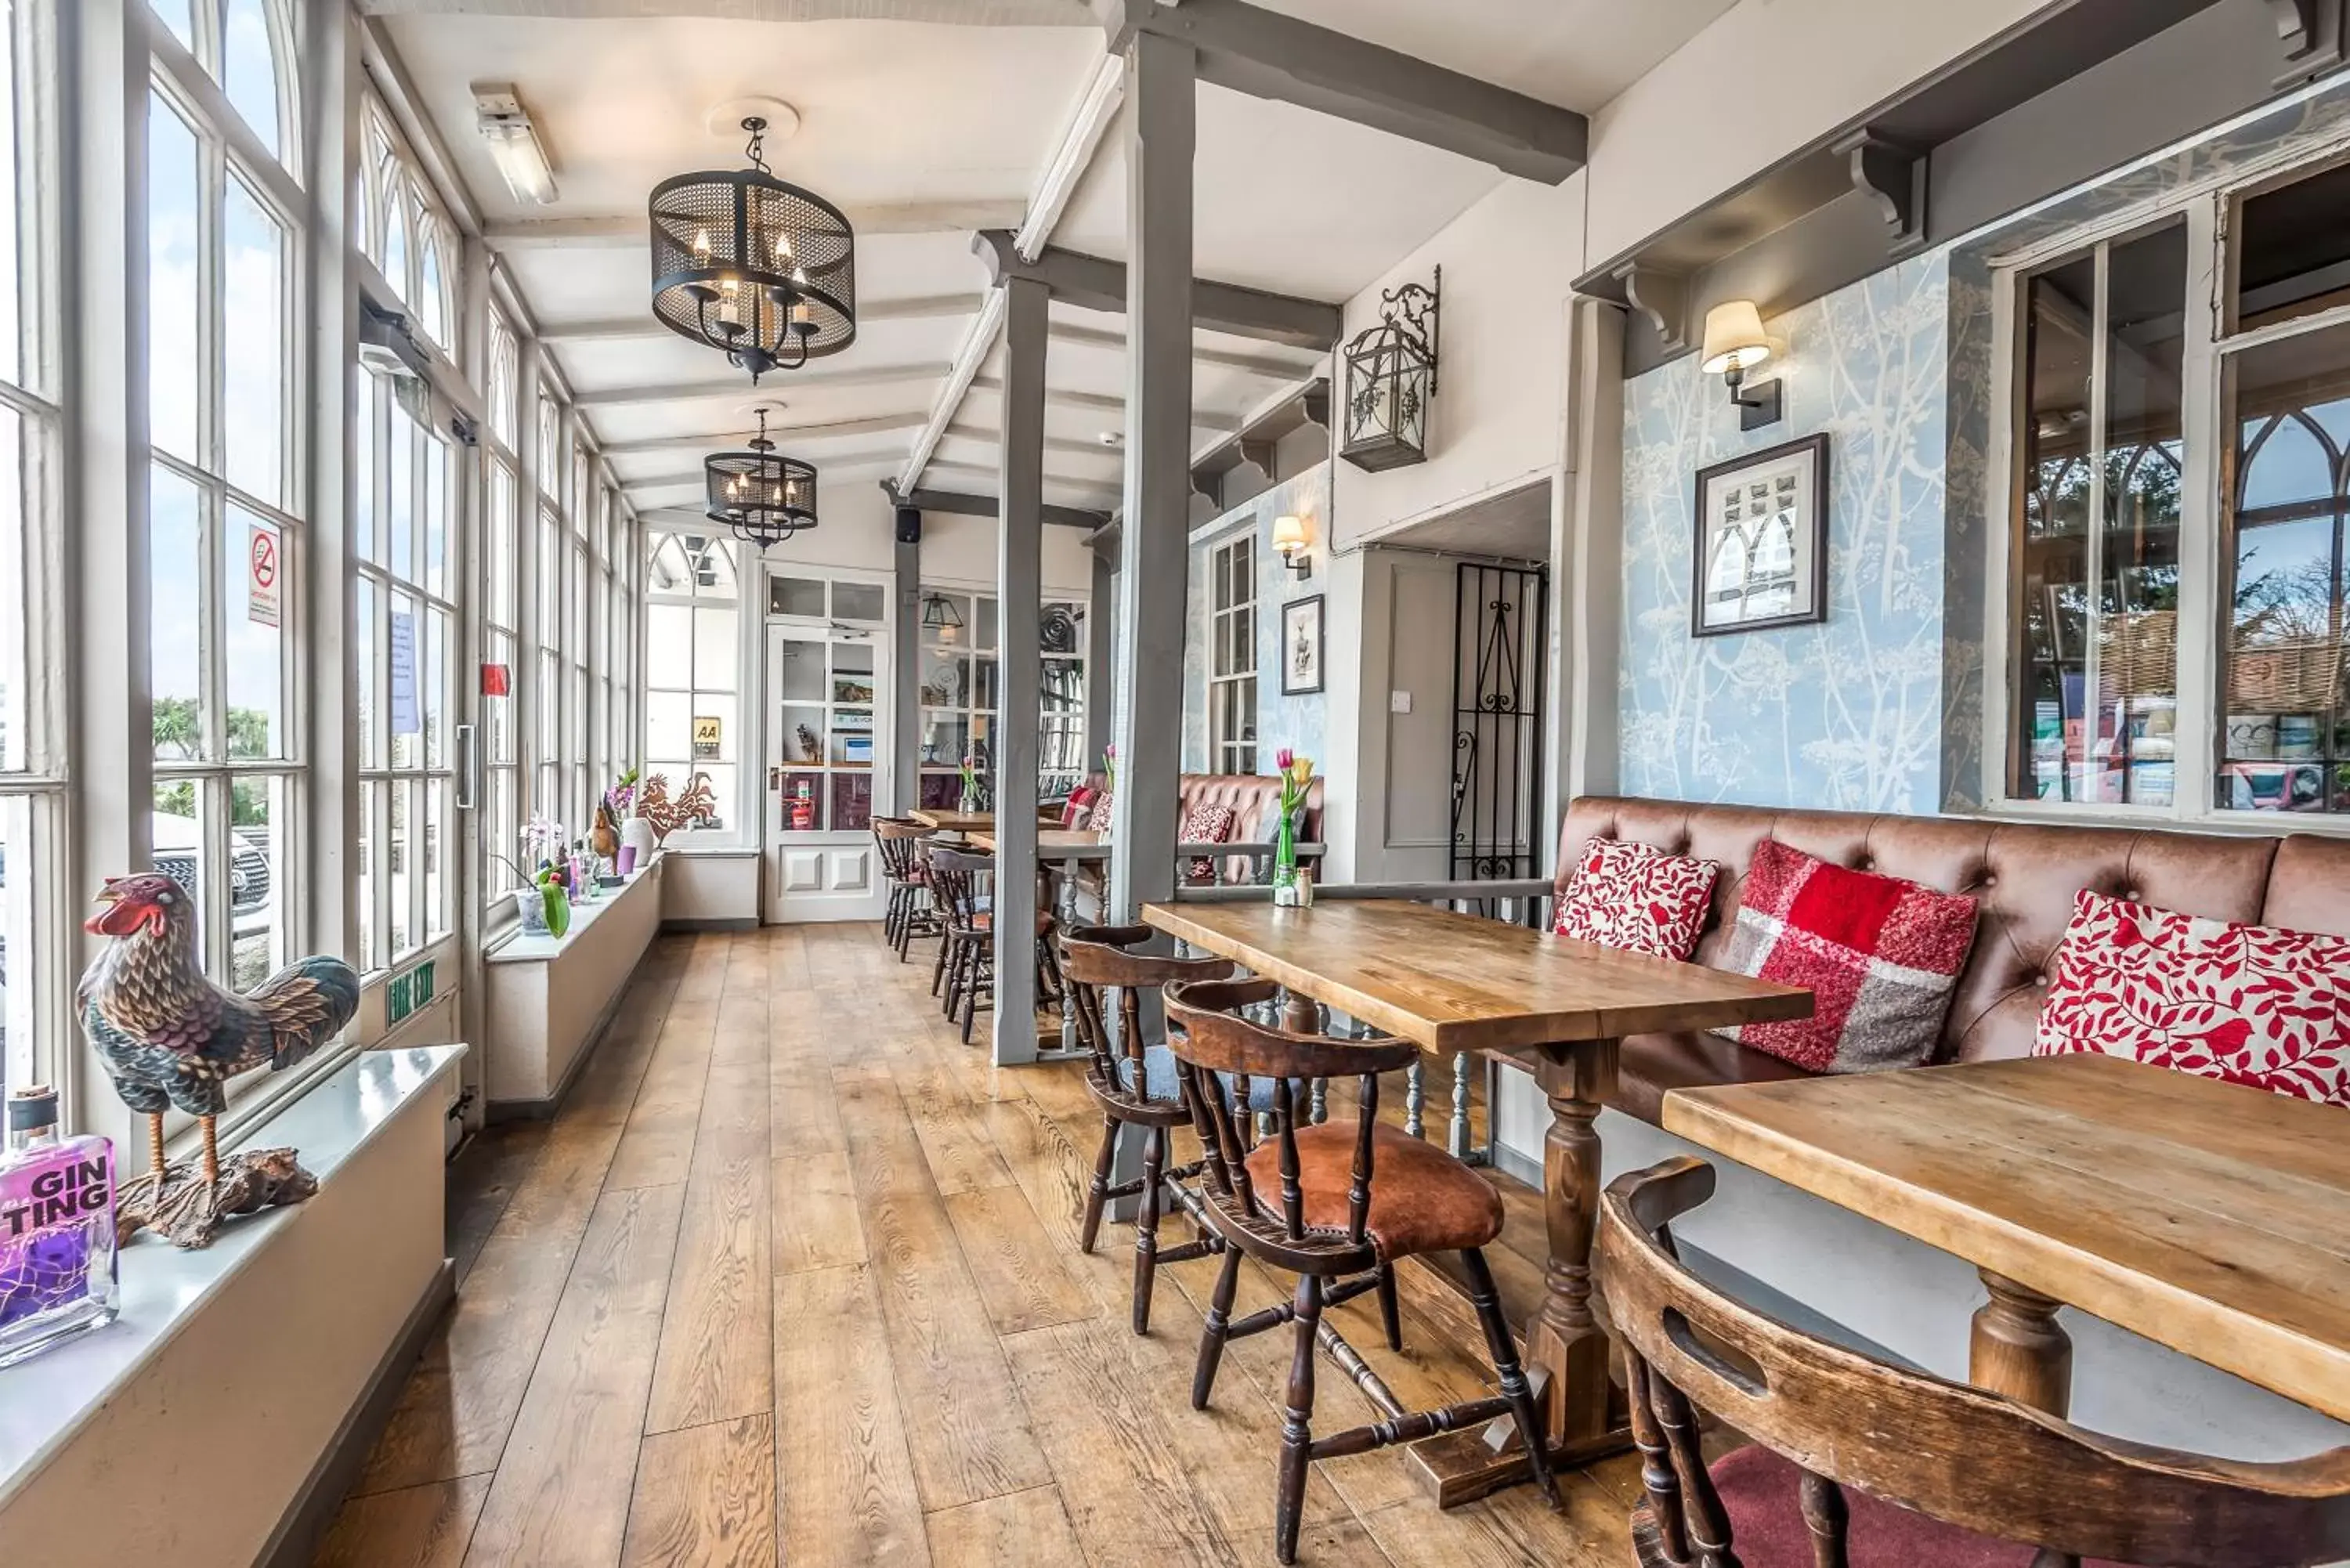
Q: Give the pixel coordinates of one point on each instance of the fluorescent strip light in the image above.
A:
(513, 144)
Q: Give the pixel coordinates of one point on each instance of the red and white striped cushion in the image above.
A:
(1638, 898)
(2248, 1004)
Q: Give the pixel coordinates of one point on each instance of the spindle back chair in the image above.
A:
(1938, 1464)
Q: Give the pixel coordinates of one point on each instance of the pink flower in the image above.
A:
(1283, 758)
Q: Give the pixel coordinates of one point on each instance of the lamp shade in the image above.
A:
(1734, 340)
(1288, 534)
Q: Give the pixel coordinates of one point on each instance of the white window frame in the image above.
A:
(738, 685)
(1230, 753)
(2208, 207)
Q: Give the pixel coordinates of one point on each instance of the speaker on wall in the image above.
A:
(909, 524)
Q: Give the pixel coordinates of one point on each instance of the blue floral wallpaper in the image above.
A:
(1298, 722)
(1848, 713)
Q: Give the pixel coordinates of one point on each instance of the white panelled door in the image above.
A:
(828, 738)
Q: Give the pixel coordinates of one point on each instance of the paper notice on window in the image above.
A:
(405, 720)
(263, 569)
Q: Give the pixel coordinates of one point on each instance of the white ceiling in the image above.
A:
(922, 129)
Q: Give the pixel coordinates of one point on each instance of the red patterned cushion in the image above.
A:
(1204, 825)
(2250, 1004)
(1879, 956)
(1097, 817)
(1638, 898)
(1080, 805)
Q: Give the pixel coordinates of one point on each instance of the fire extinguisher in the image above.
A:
(803, 809)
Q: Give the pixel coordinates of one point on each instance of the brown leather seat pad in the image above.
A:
(1653, 1064)
(1423, 1199)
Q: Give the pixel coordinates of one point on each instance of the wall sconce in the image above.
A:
(1292, 544)
(1735, 344)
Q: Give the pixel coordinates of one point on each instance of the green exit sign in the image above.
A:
(408, 992)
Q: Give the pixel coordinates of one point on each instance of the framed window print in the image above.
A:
(1301, 647)
(1761, 556)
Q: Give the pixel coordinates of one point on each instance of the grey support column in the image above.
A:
(1099, 664)
(905, 666)
(1020, 592)
(1161, 96)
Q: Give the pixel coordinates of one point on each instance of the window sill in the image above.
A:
(44, 1402)
(528, 946)
(2237, 824)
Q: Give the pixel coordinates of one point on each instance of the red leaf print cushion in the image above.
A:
(2248, 1004)
(1203, 825)
(1638, 898)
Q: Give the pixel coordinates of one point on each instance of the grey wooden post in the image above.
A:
(1161, 96)
(1098, 616)
(1019, 596)
(906, 669)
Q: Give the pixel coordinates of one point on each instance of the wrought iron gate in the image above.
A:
(1500, 623)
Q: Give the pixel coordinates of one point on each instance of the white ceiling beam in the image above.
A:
(885, 424)
(1052, 443)
(1073, 152)
(741, 389)
(921, 308)
(628, 229)
(693, 479)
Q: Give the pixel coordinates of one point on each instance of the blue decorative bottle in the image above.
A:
(56, 1230)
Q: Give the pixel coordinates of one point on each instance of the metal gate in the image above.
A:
(1499, 617)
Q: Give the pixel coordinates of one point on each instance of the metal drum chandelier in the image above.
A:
(761, 270)
(763, 497)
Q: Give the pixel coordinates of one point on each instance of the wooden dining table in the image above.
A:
(948, 820)
(1451, 982)
(2205, 1216)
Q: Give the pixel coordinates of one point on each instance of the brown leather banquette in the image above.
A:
(1255, 800)
(2025, 877)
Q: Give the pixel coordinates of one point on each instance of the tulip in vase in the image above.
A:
(1290, 890)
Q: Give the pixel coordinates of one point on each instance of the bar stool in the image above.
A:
(1310, 1200)
(910, 913)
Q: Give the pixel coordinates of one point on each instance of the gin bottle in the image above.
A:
(56, 1230)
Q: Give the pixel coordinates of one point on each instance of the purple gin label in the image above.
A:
(47, 1204)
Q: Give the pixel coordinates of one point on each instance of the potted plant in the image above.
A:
(969, 768)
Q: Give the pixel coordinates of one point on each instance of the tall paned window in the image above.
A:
(694, 721)
(35, 998)
(958, 685)
(2153, 438)
(501, 615)
(407, 624)
(1231, 666)
(580, 750)
(226, 544)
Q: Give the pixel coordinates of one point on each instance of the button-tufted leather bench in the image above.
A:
(1255, 800)
(2025, 877)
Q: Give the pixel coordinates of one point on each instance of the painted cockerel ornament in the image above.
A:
(172, 1038)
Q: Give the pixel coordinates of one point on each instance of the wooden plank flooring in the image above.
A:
(794, 1281)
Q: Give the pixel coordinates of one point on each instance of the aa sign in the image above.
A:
(265, 567)
(706, 738)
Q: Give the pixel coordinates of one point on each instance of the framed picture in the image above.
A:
(1761, 556)
(1301, 647)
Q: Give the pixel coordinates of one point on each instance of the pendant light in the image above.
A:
(764, 497)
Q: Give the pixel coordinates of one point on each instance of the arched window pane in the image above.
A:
(394, 261)
(178, 15)
(2290, 466)
(249, 61)
(433, 306)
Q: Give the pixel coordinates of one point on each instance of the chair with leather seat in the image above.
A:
(1857, 1459)
(1337, 1205)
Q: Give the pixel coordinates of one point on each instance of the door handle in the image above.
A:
(468, 757)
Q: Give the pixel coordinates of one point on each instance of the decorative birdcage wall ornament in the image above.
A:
(1392, 379)
(761, 270)
(762, 496)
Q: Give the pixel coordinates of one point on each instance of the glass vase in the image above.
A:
(1285, 863)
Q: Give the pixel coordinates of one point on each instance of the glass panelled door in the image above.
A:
(828, 738)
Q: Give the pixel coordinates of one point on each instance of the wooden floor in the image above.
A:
(794, 1278)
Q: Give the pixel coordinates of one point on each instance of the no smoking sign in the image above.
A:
(261, 582)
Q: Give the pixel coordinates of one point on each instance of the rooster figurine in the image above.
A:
(170, 1037)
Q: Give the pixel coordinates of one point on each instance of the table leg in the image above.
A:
(2018, 1348)
(1587, 1418)
(1301, 1014)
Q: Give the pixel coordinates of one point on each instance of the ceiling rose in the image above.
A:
(763, 271)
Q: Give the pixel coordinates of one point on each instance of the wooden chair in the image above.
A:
(910, 913)
(1337, 1206)
(967, 953)
(1853, 1451)
(1136, 1083)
